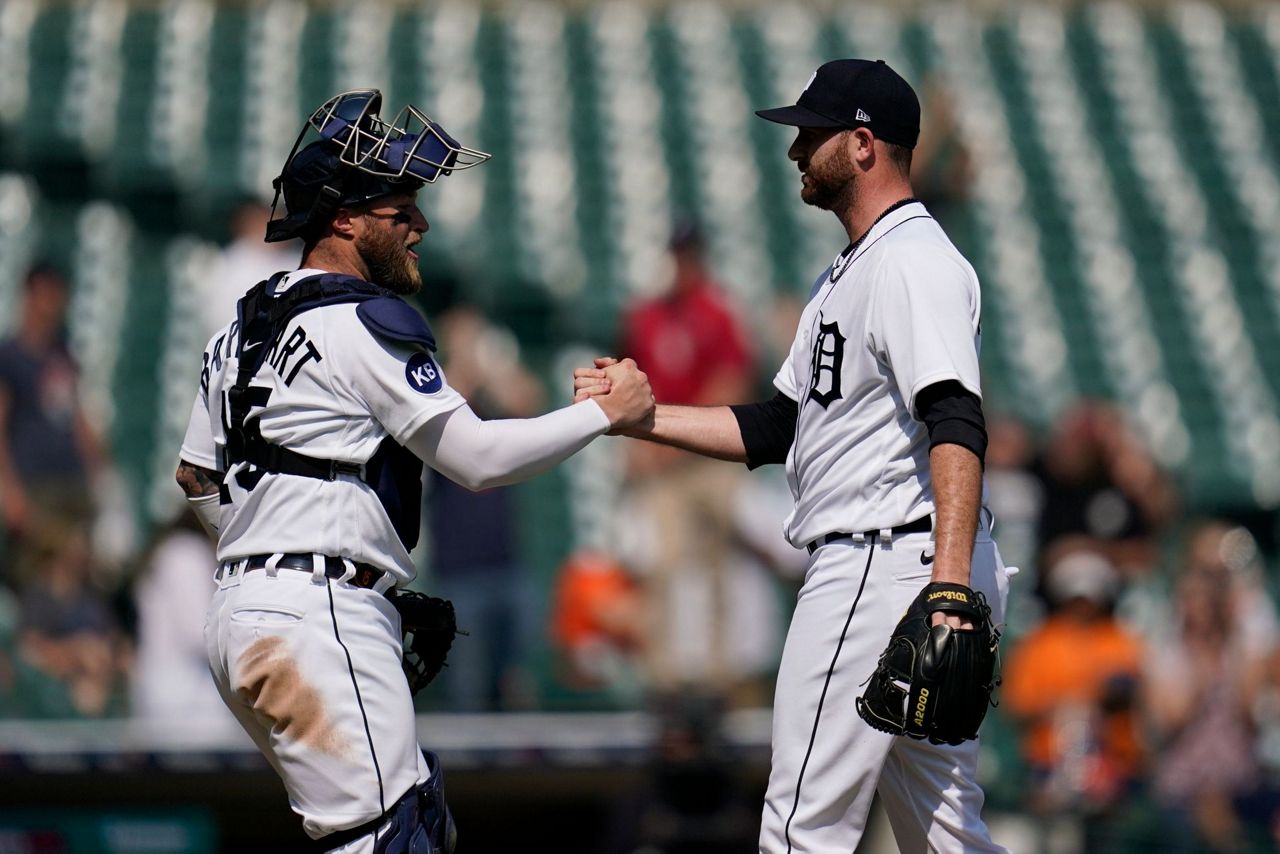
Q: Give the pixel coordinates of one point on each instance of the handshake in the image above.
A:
(622, 390)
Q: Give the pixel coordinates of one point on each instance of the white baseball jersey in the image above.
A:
(895, 313)
(338, 408)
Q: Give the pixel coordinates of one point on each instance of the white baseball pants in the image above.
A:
(827, 763)
(311, 669)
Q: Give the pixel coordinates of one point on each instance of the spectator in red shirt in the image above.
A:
(689, 339)
(695, 351)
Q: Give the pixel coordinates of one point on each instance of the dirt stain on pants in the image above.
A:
(271, 683)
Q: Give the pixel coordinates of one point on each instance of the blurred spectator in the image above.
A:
(1100, 482)
(695, 351)
(782, 318)
(67, 629)
(1203, 682)
(171, 680)
(1071, 684)
(941, 169)
(1015, 495)
(716, 631)
(1227, 555)
(761, 562)
(49, 453)
(26, 691)
(597, 623)
(474, 536)
(1266, 719)
(688, 339)
(244, 262)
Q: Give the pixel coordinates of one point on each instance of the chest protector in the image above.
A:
(393, 472)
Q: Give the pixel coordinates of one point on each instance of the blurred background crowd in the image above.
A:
(1111, 169)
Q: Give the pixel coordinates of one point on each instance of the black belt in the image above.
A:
(278, 459)
(367, 575)
(923, 525)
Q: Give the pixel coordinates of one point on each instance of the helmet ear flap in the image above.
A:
(327, 203)
(309, 204)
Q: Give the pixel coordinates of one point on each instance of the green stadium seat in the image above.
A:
(17, 19)
(36, 130)
(19, 225)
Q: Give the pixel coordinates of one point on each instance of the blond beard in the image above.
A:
(389, 263)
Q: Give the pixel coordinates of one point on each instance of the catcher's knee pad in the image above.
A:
(420, 821)
(434, 815)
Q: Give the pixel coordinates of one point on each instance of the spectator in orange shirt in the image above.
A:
(597, 624)
(1072, 683)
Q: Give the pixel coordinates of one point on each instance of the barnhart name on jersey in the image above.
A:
(898, 313)
(280, 357)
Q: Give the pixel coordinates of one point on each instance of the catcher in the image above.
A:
(318, 404)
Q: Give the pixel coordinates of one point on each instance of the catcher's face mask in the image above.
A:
(358, 157)
(411, 146)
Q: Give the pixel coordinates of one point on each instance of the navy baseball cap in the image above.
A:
(855, 93)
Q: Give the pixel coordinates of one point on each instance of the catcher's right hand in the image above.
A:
(935, 682)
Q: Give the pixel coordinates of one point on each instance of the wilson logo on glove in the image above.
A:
(953, 595)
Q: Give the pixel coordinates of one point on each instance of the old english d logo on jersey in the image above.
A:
(422, 374)
(827, 358)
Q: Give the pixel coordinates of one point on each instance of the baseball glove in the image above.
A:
(429, 626)
(935, 682)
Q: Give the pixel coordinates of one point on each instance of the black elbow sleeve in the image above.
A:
(767, 429)
(953, 415)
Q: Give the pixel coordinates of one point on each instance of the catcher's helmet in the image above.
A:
(357, 158)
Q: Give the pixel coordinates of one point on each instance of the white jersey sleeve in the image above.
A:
(402, 387)
(785, 381)
(198, 445)
(923, 323)
(484, 454)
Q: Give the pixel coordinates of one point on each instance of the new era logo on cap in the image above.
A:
(830, 96)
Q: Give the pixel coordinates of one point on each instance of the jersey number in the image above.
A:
(240, 425)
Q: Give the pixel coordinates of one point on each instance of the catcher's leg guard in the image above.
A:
(418, 823)
(433, 812)
(421, 821)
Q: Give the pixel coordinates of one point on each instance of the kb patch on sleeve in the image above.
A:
(422, 374)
